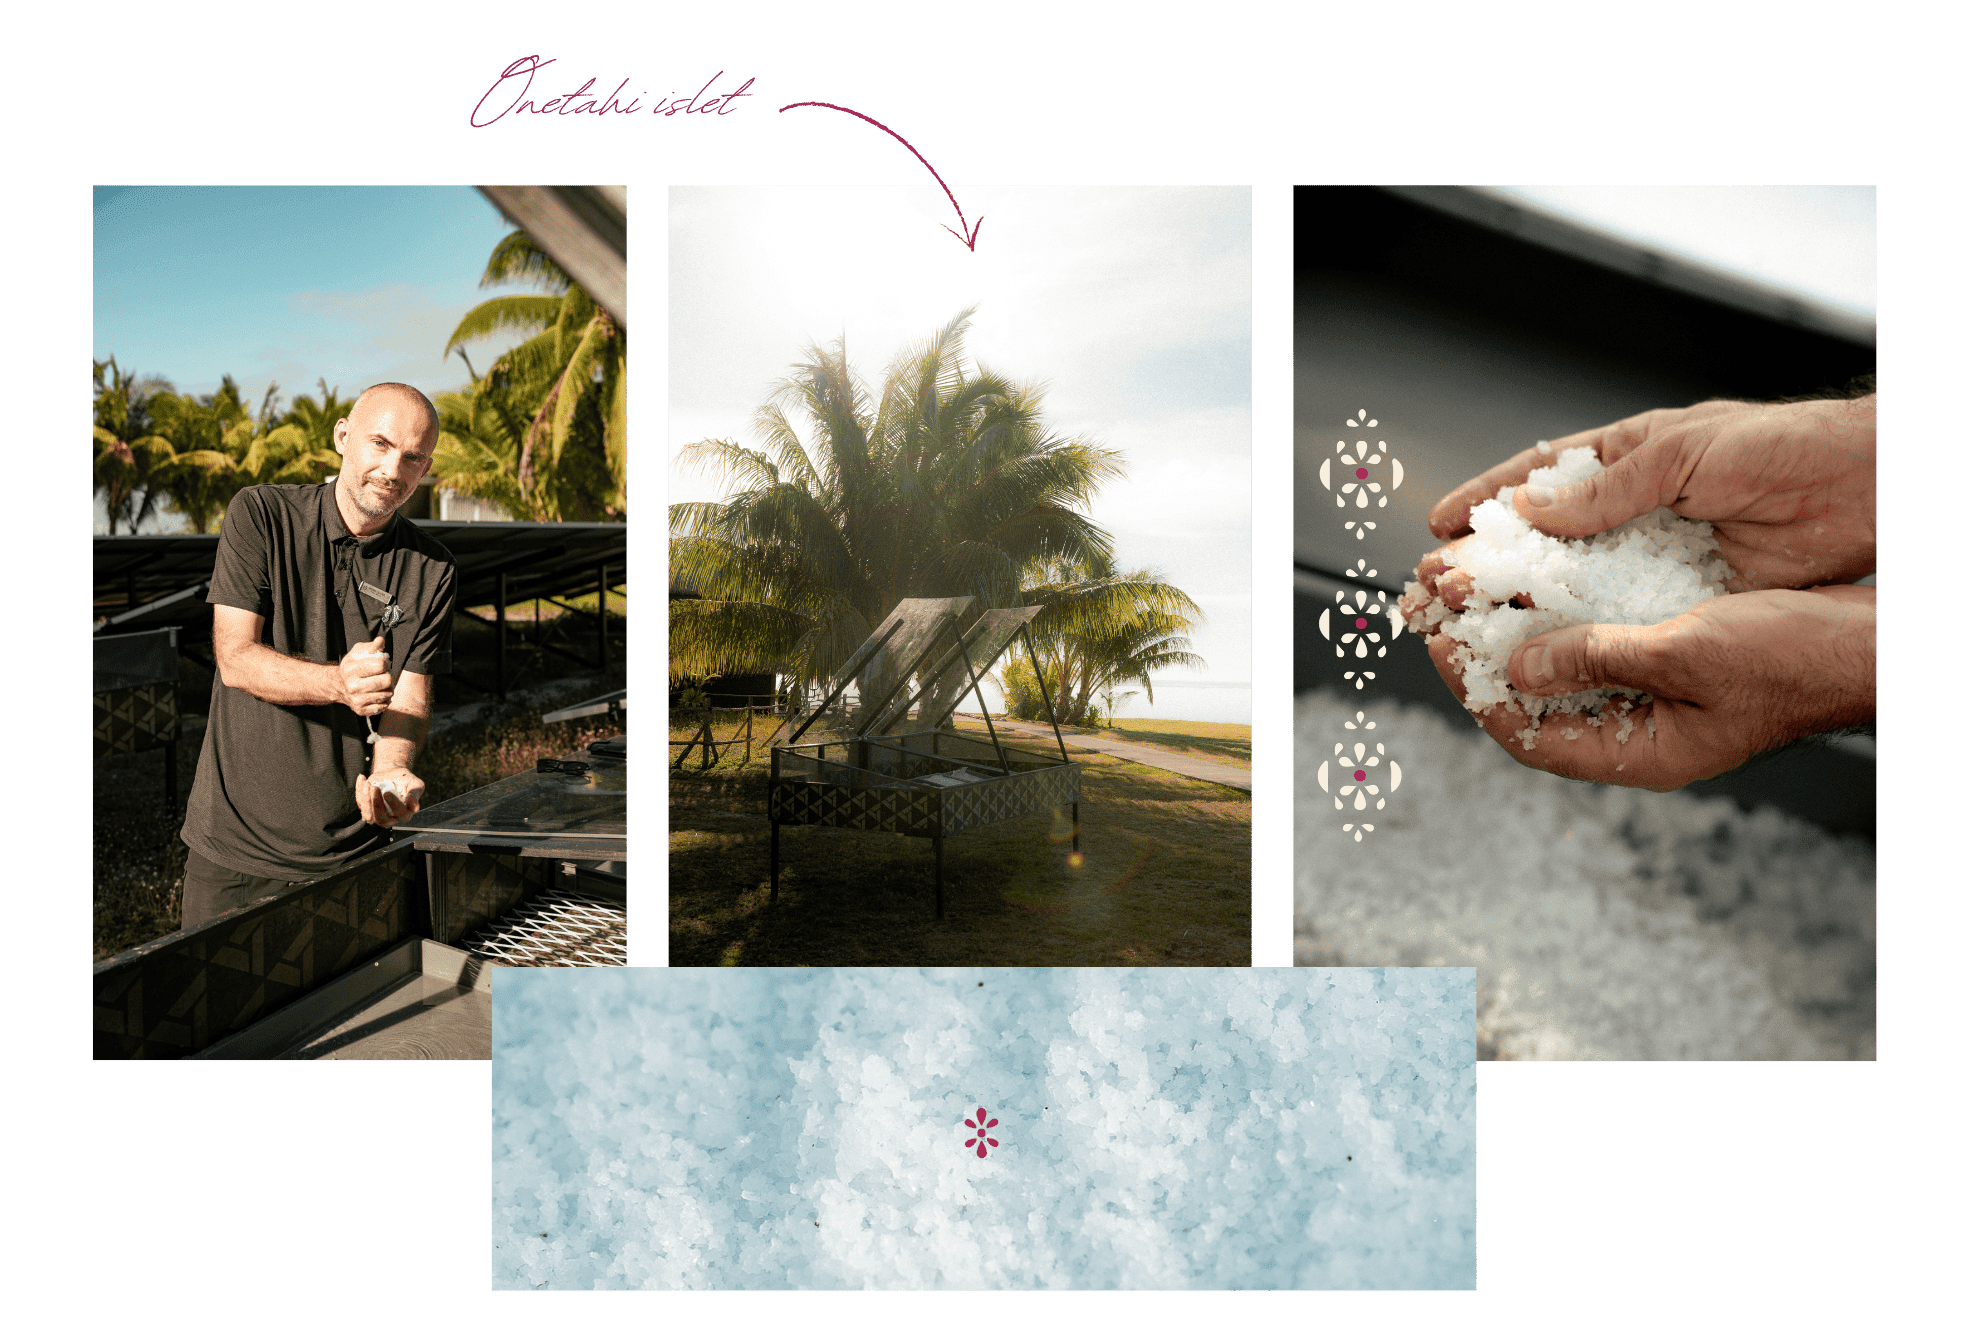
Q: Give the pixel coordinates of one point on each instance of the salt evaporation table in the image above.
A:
(390, 957)
(887, 762)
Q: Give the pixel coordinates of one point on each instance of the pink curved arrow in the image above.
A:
(969, 240)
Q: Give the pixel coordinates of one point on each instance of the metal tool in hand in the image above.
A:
(392, 615)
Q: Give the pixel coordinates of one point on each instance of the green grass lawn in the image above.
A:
(1166, 879)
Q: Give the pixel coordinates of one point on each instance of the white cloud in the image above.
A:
(393, 332)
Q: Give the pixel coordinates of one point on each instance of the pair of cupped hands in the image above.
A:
(1789, 491)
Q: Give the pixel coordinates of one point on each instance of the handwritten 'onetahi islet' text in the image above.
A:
(512, 95)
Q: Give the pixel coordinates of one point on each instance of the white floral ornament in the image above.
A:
(1351, 781)
(1362, 572)
(1359, 722)
(1356, 463)
(1359, 639)
(1365, 826)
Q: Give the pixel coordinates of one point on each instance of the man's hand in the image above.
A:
(1789, 488)
(362, 679)
(1731, 678)
(398, 802)
(1441, 576)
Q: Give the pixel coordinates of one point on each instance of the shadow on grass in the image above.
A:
(1166, 881)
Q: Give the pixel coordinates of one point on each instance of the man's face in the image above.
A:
(386, 445)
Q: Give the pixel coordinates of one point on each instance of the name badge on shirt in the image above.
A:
(372, 591)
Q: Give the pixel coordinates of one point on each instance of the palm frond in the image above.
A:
(517, 258)
(508, 312)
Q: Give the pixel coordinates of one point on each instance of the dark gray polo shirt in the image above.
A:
(275, 791)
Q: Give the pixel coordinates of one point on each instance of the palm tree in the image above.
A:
(544, 432)
(213, 435)
(130, 452)
(299, 449)
(219, 446)
(314, 425)
(1100, 631)
(480, 440)
(946, 482)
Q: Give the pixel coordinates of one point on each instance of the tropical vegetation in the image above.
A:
(542, 434)
(156, 446)
(1099, 632)
(132, 454)
(942, 481)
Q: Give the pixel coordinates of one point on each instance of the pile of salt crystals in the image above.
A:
(803, 1128)
(1602, 923)
(1642, 572)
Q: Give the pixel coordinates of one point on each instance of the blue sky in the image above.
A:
(357, 285)
(1132, 306)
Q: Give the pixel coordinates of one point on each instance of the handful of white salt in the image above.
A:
(1642, 572)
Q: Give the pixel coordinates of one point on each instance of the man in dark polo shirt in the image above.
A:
(290, 784)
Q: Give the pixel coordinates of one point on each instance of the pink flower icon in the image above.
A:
(981, 1138)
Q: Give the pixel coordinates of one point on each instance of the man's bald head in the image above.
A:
(408, 393)
(387, 441)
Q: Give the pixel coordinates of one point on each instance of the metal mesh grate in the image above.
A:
(555, 928)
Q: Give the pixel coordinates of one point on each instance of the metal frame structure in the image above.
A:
(147, 582)
(878, 771)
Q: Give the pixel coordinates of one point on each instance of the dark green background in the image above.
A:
(1617, 1201)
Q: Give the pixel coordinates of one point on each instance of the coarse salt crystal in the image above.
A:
(1643, 572)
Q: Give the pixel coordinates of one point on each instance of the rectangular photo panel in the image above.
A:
(960, 603)
(360, 609)
(1631, 868)
(984, 1128)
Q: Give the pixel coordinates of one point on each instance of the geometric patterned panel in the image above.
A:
(896, 811)
(175, 996)
(468, 890)
(926, 812)
(136, 718)
(1018, 795)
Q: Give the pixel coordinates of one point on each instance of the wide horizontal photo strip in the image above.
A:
(984, 1128)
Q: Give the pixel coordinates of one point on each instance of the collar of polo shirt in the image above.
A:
(338, 531)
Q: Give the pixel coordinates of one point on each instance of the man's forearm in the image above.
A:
(400, 736)
(278, 678)
(400, 729)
